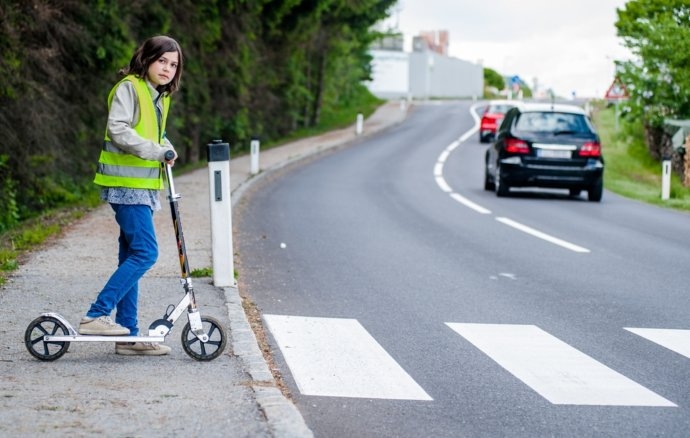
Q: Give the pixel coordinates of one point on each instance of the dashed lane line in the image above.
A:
(541, 235)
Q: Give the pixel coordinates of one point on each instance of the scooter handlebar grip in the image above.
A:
(169, 155)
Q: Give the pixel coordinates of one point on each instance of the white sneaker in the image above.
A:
(141, 349)
(102, 325)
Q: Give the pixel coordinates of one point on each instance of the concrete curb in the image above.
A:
(284, 419)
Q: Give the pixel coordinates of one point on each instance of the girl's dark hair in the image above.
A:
(148, 53)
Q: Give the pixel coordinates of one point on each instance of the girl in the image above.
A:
(129, 172)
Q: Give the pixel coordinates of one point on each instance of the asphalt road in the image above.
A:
(401, 299)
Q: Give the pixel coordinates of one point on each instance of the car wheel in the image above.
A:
(595, 192)
(502, 189)
(488, 181)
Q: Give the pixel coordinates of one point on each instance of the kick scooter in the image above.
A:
(203, 338)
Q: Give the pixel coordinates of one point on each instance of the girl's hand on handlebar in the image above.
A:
(170, 157)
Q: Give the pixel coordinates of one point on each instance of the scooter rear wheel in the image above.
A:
(209, 350)
(45, 350)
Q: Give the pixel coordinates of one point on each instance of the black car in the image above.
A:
(546, 145)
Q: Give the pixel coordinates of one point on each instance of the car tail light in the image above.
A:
(488, 122)
(516, 146)
(591, 149)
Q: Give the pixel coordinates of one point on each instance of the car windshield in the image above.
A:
(552, 122)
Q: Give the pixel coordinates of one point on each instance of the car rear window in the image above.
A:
(498, 109)
(552, 122)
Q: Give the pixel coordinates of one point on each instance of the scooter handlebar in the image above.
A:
(169, 155)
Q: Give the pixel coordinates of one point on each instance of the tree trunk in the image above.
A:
(318, 92)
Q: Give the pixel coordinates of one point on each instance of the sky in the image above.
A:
(566, 45)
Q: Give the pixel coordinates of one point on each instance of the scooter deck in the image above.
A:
(74, 336)
(98, 338)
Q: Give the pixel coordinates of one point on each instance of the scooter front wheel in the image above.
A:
(210, 349)
(37, 346)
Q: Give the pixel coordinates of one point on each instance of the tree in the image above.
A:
(493, 79)
(658, 33)
(265, 67)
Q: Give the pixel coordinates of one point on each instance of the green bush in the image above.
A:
(9, 211)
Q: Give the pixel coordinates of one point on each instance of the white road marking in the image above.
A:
(539, 234)
(555, 370)
(441, 161)
(467, 203)
(337, 357)
(438, 170)
(673, 339)
(467, 134)
(443, 185)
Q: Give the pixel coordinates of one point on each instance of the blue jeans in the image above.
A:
(138, 252)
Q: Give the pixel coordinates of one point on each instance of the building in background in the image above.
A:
(427, 72)
(436, 41)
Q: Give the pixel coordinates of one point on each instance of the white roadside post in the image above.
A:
(360, 124)
(218, 154)
(254, 151)
(665, 179)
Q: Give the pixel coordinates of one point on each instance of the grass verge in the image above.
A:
(28, 235)
(630, 170)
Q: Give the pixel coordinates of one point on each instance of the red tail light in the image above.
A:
(516, 146)
(591, 149)
(489, 122)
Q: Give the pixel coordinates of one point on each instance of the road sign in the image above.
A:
(616, 91)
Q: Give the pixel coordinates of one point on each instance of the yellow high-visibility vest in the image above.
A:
(117, 168)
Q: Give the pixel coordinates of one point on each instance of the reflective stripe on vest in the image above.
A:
(117, 168)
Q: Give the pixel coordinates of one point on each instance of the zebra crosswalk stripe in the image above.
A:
(337, 357)
(674, 339)
(554, 369)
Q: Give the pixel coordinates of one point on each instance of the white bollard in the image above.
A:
(221, 214)
(360, 123)
(665, 179)
(254, 158)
